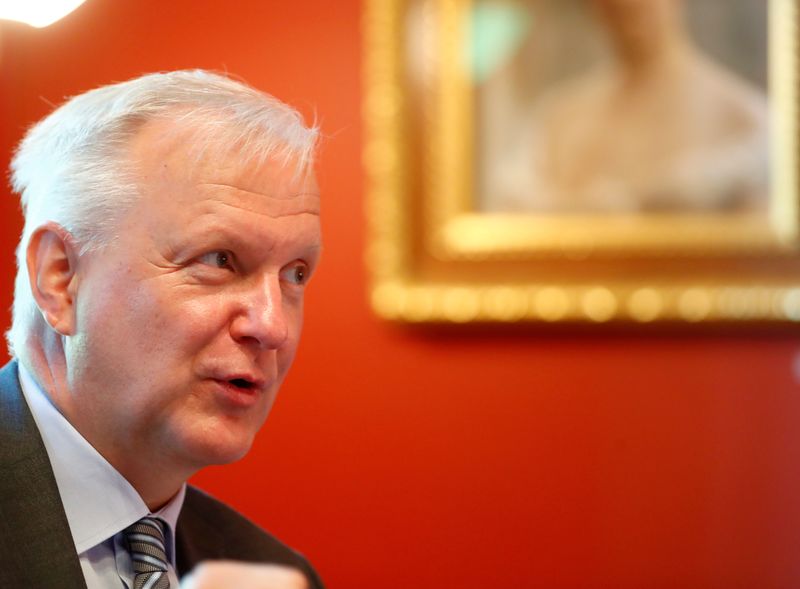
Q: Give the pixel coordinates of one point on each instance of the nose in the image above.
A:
(261, 320)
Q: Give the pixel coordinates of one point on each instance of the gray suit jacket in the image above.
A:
(36, 549)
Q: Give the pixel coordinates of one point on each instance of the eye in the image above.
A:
(298, 273)
(218, 259)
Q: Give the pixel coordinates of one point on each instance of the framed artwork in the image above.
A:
(582, 161)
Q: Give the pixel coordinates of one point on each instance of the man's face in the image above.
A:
(188, 322)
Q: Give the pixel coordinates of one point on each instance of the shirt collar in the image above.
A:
(98, 500)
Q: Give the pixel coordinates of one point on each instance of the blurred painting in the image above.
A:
(620, 106)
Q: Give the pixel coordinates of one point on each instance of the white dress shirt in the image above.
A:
(99, 502)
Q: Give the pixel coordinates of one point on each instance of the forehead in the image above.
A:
(166, 154)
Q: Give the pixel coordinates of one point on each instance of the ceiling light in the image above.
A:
(37, 13)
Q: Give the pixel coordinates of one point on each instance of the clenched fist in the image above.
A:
(223, 574)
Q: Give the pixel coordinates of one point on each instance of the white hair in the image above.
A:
(72, 167)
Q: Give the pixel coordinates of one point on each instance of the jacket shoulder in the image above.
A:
(208, 529)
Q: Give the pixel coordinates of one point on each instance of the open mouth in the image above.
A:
(241, 383)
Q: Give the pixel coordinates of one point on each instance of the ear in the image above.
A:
(51, 259)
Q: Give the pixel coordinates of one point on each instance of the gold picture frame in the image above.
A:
(435, 258)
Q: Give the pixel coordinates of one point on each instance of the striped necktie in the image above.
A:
(146, 546)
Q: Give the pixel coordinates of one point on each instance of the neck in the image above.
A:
(640, 43)
(156, 494)
(44, 358)
(156, 481)
(652, 59)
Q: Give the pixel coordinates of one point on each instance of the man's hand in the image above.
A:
(223, 574)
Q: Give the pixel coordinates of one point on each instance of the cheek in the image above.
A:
(138, 320)
(179, 327)
(114, 334)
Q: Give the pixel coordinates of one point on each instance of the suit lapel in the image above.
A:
(36, 548)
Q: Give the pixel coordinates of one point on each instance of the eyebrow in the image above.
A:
(204, 235)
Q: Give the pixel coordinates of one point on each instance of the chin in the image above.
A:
(218, 449)
(227, 457)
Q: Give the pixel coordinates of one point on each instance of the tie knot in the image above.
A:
(148, 552)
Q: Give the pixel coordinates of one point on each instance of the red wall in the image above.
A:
(399, 458)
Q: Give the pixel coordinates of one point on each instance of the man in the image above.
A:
(171, 227)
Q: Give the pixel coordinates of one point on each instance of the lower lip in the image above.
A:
(236, 397)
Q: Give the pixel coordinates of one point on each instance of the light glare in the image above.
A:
(37, 13)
